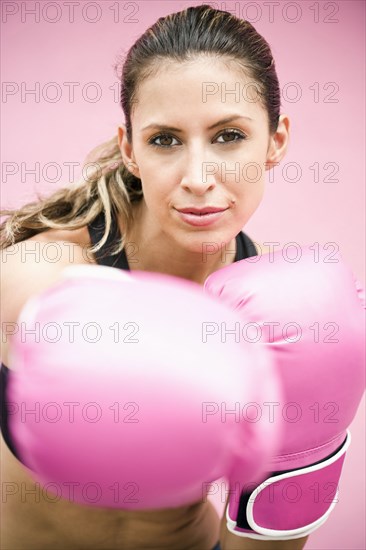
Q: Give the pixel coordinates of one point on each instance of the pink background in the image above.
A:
(306, 51)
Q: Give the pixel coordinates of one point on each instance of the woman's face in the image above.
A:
(189, 157)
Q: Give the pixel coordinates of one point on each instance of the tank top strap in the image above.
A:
(245, 247)
(4, 420)
(103, 256)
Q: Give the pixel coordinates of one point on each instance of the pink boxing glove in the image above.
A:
(311, 316)
(118, 400)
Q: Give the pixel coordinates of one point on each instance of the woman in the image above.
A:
(170, 193)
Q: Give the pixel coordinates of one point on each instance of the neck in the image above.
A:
(155, 251)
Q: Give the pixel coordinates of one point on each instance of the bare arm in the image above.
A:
(25, 271)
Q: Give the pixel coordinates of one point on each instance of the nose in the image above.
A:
(198, 175)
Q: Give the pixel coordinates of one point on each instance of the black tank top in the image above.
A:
(244, 249)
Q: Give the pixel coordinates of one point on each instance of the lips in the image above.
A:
(201, 211)
(201, 217)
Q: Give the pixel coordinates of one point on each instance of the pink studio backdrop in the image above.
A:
(317, 195)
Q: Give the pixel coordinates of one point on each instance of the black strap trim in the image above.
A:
(4, 421)
(103, 256)
(245, 247)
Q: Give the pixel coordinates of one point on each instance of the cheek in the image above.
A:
(157, 184)
(156, 196)
(250, 197)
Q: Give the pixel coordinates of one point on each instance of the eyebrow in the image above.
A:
(172, 129)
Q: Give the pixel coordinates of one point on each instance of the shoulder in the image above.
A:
(79, 237)
(31, 266)
(43, 254)
(52, 246)
(33, 263)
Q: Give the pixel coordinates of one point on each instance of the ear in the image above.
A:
(127, 151)
(278, 143)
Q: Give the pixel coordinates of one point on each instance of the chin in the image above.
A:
(209, 241)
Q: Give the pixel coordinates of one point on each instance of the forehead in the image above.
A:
(203, 87)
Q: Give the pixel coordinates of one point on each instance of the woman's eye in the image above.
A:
(238, 136)
(164, 138)
(233, 133)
